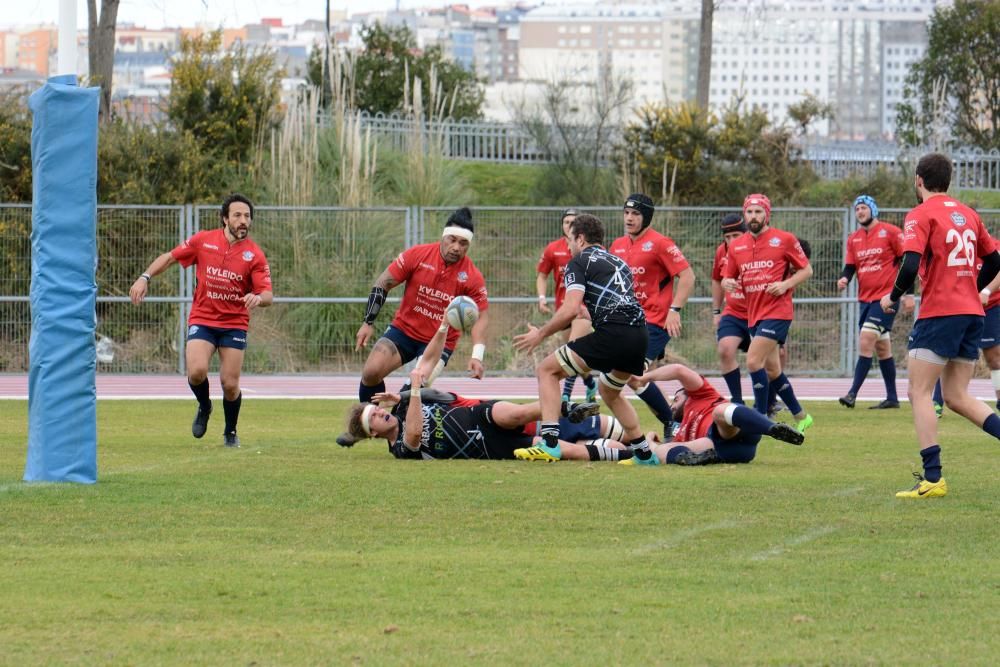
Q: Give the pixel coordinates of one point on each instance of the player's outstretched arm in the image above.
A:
(138, 290)
(414, 412)
(689, 379)
(432, 353)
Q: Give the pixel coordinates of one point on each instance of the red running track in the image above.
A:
(346, 387)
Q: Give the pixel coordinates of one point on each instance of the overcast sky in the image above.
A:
(228, 13)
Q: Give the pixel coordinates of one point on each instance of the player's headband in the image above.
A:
(460, 232)
(366, 416)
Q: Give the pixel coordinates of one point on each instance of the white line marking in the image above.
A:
(683, 536)
(792, 542)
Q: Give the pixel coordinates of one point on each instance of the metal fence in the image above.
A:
(324, 260)
(974, 169)
(493, 141)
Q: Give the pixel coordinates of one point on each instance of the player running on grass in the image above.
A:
(602, 282)
(767, 264)
(942, 238)
(233, 279)
(712, 429)
(554, 259)
(873, 253)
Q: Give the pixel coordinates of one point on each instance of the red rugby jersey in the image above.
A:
(655, 261)
(698, 412)
(225, 273)
(760, 261)
(554, 259)
(949, 236)
(735, 301)
(874, 252)
(430, 286)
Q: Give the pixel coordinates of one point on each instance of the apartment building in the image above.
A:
(769, 53)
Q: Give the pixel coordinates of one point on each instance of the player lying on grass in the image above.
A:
(431, 424)
(712, 430)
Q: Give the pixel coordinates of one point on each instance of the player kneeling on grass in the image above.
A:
(432, 424)
(712, 430)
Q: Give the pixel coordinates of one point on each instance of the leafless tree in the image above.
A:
(576, 124)
(705, 53)
(101, 49)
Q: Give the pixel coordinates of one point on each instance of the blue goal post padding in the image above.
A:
(62, 376)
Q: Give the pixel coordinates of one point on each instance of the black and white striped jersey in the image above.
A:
(608, 291)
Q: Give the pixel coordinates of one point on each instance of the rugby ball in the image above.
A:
(462, 313)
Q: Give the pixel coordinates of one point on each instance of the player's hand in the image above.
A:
(673, 323)
(363, 336)
(842, 284)
(476, 370)
(715, 321)
(385, 397)
(729, 284)
(887, 304)
(543, 306)
(138, 290)
(640, 379)
(910, 303)
(527, 342)
(251, 300)
(777, 289)
(416, 379)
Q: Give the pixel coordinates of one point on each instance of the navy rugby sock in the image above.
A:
(888, 369)
(568, 383)
(232, 411)
(860, 373)
(589, 382)
(992, 425)
(761, 385)
(772, 394)
(788, 395)
(932, 463)
(200, 392)
(732, 379)
(365, 392)
(750, 421)
(653, 397)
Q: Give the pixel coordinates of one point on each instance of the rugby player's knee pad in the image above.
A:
(872, 328)
(614, 430)
(609, 380)
(567, 361)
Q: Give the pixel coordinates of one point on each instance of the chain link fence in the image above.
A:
(324, 261)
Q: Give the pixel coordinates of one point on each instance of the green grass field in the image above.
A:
(292, 550)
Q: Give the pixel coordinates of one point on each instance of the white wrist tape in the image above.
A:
(478, 351)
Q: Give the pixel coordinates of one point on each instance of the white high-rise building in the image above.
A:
(771, 53)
